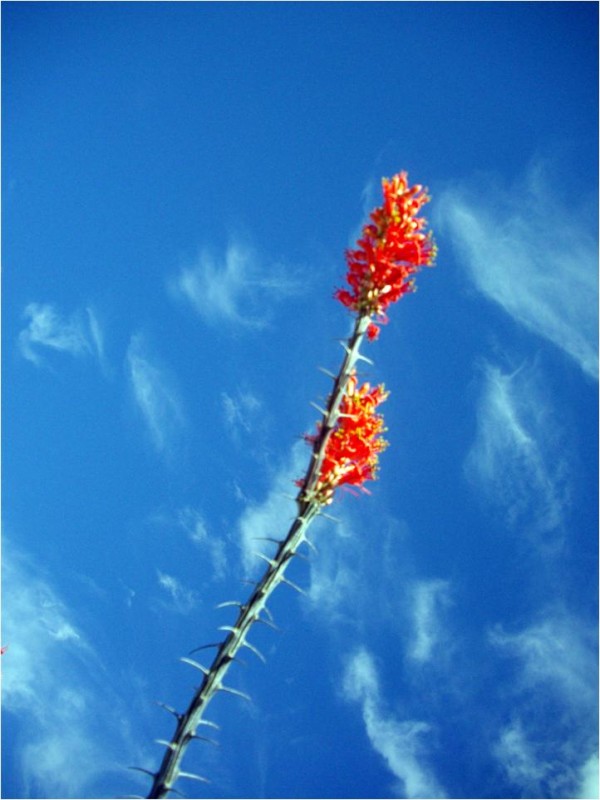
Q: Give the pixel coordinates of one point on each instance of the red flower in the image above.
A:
(353, 448)
(372, 332)
(393, 247)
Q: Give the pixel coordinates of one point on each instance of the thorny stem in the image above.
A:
(308, 508)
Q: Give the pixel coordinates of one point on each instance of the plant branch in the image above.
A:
(309, 506)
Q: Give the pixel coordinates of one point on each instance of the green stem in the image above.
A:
(249, 613)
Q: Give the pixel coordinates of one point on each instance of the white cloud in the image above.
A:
(78, 335)
(545, 750)
(182, 600)
(155, 396)
(234, 288)
(519, 759)
(543, 770)
(194, 524)
(362, 583)
(54, 682)
(428, 600)
(532, 254)
(241, 412)
(96, 334)
(272, 517)
(588, 779)
(558, 650)
(400, 743)
(516, 456)
(334, 588)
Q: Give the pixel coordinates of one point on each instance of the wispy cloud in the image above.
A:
(549, 749)
(429, 599)
(54, 681)
(335, 588)
(155, 395)
(182, 600)
(242, 413)
(77, 335)
(96, 333)
(233, 288)
(364, 580)
(533, 255)
(516, 456)
(273, 516)
(195, 526)
(559, 650)
(522, 764)
(588, 779)
(400, 743)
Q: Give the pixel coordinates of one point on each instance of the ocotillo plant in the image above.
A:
(346, 445)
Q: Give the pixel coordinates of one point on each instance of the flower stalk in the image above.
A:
(309, 505)
(345, 447)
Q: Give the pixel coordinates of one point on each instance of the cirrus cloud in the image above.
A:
(155, 395)
(233, 288)
(399, 742)
(528, 251)
(57, 689)
(516, 458)
(77, 335)
(550, 746)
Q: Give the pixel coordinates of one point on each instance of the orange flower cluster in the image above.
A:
(353, 448)
(392, 248)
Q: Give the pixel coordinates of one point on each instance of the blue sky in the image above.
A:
(180, 181)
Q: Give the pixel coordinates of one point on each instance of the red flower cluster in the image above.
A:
(393, 247)
(353, 448)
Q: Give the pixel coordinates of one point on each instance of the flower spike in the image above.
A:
(352, 450)
(392, 249)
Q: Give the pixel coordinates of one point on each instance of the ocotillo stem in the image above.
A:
(308, 508)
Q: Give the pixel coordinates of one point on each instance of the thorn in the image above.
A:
(329, 517)
(236, 692)
(267, 611)
(265, 558)
(296, 554)
(360, 357)
(229, 603)
(256, 651)
(170, 709)
(206, 646)
(327, 372)
(173, 789)
(141, 769)
(193, 777)
(292, 584)
(311, 546)
(228, 628)
(319, 409)
(267, 538)
(209, 724)
(164, 743)
(268, 623)
(344, 345)
(195, 664)
(205, 739)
